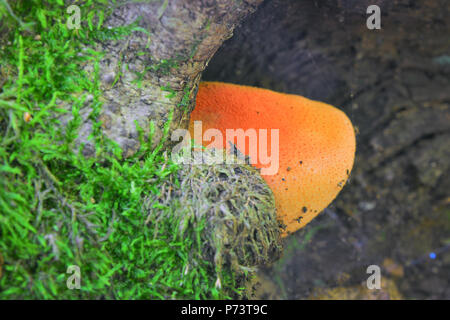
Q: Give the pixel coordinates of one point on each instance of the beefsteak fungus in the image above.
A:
(315, 143)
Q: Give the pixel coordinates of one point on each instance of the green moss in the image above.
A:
(230, 210)
(58, 208)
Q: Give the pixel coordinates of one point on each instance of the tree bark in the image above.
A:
(184, 35)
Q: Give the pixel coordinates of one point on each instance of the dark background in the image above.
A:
(394, 84)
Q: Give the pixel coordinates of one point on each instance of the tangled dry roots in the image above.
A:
(242, 231)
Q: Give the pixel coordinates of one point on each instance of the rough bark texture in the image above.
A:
(394, 84)
(184, 35)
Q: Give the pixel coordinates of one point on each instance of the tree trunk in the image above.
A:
(183, 36)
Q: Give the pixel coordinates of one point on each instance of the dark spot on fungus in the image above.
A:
(300, 162)
(299, 219)
(288, 169)
(283, 179)
(223, 176)
(304, 209)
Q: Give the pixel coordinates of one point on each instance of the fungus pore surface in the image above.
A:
(316, 144)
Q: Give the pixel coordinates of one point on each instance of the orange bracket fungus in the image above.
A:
(305, 149)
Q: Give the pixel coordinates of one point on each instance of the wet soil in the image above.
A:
(394, 84)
